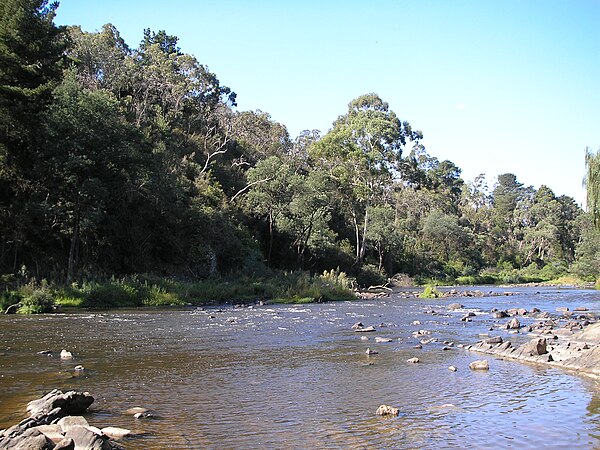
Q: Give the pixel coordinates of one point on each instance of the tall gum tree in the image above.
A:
(360, 153)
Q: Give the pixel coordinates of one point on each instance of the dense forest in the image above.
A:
(117, 161)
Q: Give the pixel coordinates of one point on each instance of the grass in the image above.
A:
(148, 290)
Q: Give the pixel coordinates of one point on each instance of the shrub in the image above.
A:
(430, 291)
(112, 294)
(36, 299)
(369, 275)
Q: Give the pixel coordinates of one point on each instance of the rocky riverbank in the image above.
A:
(570, 340)
(55, 422)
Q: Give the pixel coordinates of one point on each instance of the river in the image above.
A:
(297, 376)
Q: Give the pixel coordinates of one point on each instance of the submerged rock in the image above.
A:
(413, 360)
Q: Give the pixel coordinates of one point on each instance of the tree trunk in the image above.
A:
(72, 249)
(363, 245)
(270, 240)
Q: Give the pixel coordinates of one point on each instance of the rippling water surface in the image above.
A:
(298, 376)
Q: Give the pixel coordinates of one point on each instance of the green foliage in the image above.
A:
(430, 291)
(35, 299)
(370, 275)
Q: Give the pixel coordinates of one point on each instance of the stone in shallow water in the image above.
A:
(482, 364)
(413, 360)
(385, 410)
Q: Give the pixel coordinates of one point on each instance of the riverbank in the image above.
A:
(148, 290)
(567, 339)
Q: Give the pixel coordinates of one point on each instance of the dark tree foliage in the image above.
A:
(118, 160)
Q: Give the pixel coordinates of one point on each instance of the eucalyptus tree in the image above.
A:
(360, 153)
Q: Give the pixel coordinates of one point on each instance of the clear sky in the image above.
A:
(496, 86)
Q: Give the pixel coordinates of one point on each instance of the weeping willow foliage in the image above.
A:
(592, 183)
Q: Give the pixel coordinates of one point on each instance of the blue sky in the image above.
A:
(495, 86)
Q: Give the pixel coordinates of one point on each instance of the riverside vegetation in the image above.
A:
(118, 161)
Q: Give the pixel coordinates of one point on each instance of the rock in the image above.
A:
(416, 322)
(148, 415)
(413, 360)
(45, 352)
(532, 348)
(30, 439)
(115, 432)
(87, 439)
(136, 410)
(452, 369)
(71, 403)
(482, 364)
(53, 432)
(562, 309)
(385, 410)
(66, 423)
(357, 325)
(500, 314)
(371, 352)
(580, 309)
(418, 346)
(65, 444)
(365, 330)
(64, 354)
(590, 334)
(382, 339)
(364, 338)
(513, 324)
(493, 340)
(455, 306)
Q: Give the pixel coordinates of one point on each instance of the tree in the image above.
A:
(360, 154)
(592, 183)
(273, 184)
(31, 55)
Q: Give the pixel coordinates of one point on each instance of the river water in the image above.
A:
(298, 377)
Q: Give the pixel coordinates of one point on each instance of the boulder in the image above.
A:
(382, 339)
(513, 324)
(30, 439)
(534, 347)
(413, 360)
(590, 334)
(357, 325)
(482, 364)
(493, 340)
(64, 354)
(70, 403)
(371, 352)
(455, 306)
(53, 432)
(385, 410)
(501, 314)
(68, 422)
(452, 369)
(84, 438)
(115, 432)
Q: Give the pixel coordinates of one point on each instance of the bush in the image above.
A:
(113, 294)
(369, 275)
(36, 299)
(430, 292)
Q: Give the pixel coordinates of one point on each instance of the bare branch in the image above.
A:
(241, 191)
